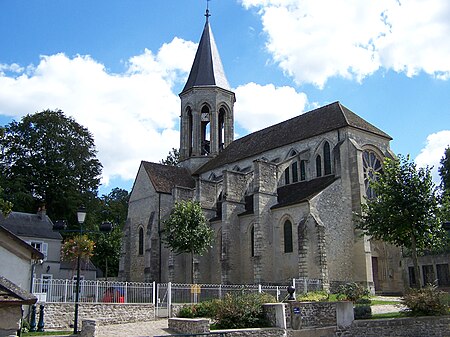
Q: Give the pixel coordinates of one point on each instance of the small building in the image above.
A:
(12, 298)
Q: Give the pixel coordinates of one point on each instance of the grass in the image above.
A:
(389, 315)
(383, 302)
(47, 333)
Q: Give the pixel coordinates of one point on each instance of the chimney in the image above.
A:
(41, 213)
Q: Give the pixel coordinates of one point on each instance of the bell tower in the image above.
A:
(207, 106)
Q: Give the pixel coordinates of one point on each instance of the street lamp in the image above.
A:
(105, 227)
(81, 215)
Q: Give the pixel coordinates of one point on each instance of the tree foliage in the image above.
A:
(48, 158)
(405, 210)
(112, 208)
(172, 159)
(5, 206)
(186, 230)
(444, 172)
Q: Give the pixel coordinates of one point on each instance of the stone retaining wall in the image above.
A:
(189, 325)
(402, 327)
(61, 315)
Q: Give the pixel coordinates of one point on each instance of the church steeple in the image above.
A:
(207, 104)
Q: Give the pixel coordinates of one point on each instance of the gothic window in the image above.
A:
(287, 231)
(206, 132)
(141, 241)
(318, 166)
(190, 130)
(221, 128)
(302, 170)
(252, 241)
(326, 158)
(294, 172)
(371, 166)
(286, 176)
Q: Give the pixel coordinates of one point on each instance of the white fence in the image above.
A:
(94, 291)
(162, 294)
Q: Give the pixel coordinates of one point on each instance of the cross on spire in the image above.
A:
(207, 10)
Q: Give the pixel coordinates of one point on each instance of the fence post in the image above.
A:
(169, 299)
(220, 291)
(65, 291)
(305, 285)
(154, 293)
(259, 289)
(96, 291)
(278, 294)
(125, 294)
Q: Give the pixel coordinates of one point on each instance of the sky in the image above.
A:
(118, 66)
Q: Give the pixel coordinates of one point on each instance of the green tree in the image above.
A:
(173, 158)
(49, 158)
(187, 231)
(113, 208)
(444, 172)
(5, 206)
(405, 210)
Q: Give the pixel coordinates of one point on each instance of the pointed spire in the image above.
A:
(207, 69)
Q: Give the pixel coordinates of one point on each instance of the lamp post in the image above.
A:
(81, 215)
(105, 227)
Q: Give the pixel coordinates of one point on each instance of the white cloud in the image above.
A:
(260, 106)
(433, 152)
(313, 40)
(132, 116)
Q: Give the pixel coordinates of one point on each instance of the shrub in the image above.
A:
(314, 296)
(188, 311)
(202, 309)
(242, 311)
(362, 311)
(352, 291)
(428, 301)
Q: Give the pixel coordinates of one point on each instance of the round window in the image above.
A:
(372, 165)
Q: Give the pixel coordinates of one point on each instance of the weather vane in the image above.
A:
(207, 10)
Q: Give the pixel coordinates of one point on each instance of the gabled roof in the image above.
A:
(299, 192)
(316, 122)
(165, 177)
(207, 69)
(12, 294)
(30, 225)
(35, 254)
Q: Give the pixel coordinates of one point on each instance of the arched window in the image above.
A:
(371, 166)
(252, 241)
(141, 241)
(318, 166)
(221, 129)
(287, 179)
(287, 231)
(206, 132)
(294, 172)
(190, 130)
(326, 158)
(302, 170)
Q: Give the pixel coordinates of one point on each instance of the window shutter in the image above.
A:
(44, 250)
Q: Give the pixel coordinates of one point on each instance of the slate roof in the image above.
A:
(207, 68)
(35, 254)
(316, 122)
(302, 191)
(10, 293)
(165, 177)
(31, 225)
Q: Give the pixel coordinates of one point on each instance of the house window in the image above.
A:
(326, 158)
(318, 166)
(252, 241)
(40, 246)
(46, 281)
(141, 241)
(287, 231)
(443, 275)
(294, 172)
(286, 176)
(302, 170)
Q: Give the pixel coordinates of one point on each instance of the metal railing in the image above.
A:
(304, 285)
(54, 290)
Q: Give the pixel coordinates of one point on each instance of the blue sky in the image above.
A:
(117, 67)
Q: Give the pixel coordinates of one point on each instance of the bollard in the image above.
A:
(40, 326)
(33, 318)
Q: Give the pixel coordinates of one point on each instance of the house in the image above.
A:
(17, 259)
(281, 200)
(37, 231)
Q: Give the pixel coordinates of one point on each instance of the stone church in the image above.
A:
(281, 201)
